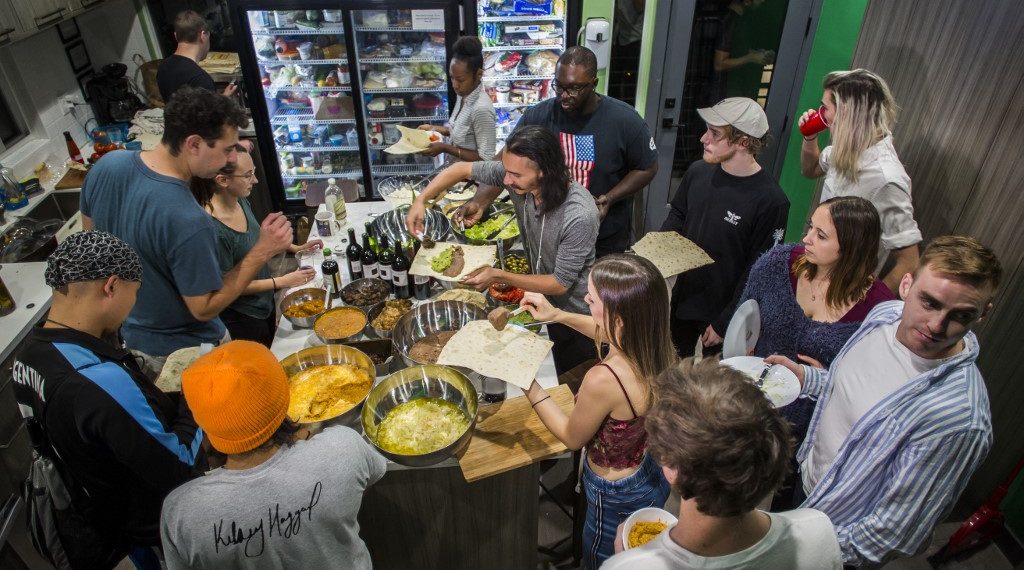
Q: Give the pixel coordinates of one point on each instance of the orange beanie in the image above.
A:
(238, 394)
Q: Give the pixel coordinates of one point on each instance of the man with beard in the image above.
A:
(732, 209)
(608, 148)
(182, 67)
(557, 219)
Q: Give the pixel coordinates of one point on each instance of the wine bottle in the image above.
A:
(373, 239)
(369, 261)
(332, 275)
(386, 258)
(400, 273)
(354, 255)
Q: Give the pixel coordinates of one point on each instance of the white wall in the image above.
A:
(38, 68)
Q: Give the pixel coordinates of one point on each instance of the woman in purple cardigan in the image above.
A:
(813, 296)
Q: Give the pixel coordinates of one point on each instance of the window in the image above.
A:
(11, 129)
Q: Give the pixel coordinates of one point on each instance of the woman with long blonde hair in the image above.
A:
(861, 161)
(628, 302)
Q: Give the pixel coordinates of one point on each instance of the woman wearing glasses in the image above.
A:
(225, 197)
(472, 126)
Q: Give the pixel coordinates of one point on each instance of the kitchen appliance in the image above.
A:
(522, 39)
(332, 76)
(111, 96)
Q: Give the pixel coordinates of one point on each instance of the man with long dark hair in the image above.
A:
(557, 218)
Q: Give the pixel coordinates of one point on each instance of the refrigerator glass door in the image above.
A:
(522, 41)
(400, 58)
(304, 70)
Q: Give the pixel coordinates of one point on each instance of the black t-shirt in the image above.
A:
(600, 150)
(734, 219)
(178, 70)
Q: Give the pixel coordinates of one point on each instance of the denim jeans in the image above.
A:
(610, 503)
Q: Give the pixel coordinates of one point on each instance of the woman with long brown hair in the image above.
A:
(628, 302)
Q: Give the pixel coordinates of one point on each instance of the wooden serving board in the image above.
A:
(510, 435)
(73, 179)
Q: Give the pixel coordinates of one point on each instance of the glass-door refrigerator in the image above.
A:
(336, 78)
(522, 40)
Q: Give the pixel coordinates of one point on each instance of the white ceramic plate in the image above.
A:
(744, 330)
(647, 514)
(780, 386)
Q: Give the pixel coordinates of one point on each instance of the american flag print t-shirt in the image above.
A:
(579, 156)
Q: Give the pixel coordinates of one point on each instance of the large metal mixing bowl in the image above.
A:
(427, 318)
(326, 355)
(392, 224)
(492, 210)
(429, 381)
(299, 297)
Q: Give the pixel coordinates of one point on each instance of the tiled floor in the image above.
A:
(554, 526)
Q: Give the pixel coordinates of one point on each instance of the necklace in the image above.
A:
(61, 324)
(816, 291)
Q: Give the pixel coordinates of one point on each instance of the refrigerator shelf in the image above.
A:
(307, 119)
(517, 77)
(397, 29)
(486, 19)
(322, 148)
(347, 175)
(300, 31)
(426, 119)
(523, 48)
(273, 91)
(406, 90)
(390, 169)
(277, 62)
(400, 60)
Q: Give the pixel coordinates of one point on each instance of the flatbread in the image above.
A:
(476, 256)
(513, 355)
(176, 363)
(671, 253)
(412, 141)
(464, 295)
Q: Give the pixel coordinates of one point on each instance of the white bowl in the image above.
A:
(780, 386)
(647, 514)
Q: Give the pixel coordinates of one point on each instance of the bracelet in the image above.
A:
(540, 400)
(458, 150)
(809, 139)
(274, 283)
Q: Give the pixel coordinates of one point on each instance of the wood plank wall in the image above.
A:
(956, 68)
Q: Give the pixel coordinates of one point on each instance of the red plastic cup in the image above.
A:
(815, 123)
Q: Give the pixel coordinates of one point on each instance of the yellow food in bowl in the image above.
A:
(305, 309)
(421, 426)
(340, 323)
(644, 532)
(326, 391)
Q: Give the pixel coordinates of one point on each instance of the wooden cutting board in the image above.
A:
(510, 435)
(73, 179)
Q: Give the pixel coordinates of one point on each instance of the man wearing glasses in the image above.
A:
(732, 209)
(144, 199)
(607, 145)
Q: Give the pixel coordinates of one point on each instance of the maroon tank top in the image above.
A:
(619, 444)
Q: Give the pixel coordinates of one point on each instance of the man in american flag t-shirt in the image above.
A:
(607, 145)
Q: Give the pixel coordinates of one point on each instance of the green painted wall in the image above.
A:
(838, 28)
(598, 9)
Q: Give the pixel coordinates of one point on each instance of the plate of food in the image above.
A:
(645, 525)
(451, 261)
(780, 384)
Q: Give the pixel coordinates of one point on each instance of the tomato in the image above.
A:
(435, 138)
(95, 156)
(512, 295)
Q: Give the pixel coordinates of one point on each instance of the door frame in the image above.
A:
(668, 72)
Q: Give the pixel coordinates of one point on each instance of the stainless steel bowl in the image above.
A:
(297, 298)
(492, 210)
(381, 287)
(373, 314)
(430, 381)
(325, 355)
(335, 310)
(432, 317)
(392, 224)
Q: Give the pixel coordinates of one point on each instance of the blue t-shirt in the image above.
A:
(177, 241)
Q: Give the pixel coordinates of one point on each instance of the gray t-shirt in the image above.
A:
(296, 510)
(560, 242)
(176, 240)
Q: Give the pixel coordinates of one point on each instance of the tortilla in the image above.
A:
(412, 141)
(176, 363)
(671, 253)
(476, 256)
(513, 355)
(464, 295)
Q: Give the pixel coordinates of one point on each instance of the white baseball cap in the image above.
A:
(741, 113)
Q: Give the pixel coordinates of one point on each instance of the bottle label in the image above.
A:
(355, 266)
(371, 270)
(421, 279)
(385, 272)
(400, 279)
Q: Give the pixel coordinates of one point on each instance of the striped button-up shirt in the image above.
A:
(907, 460)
